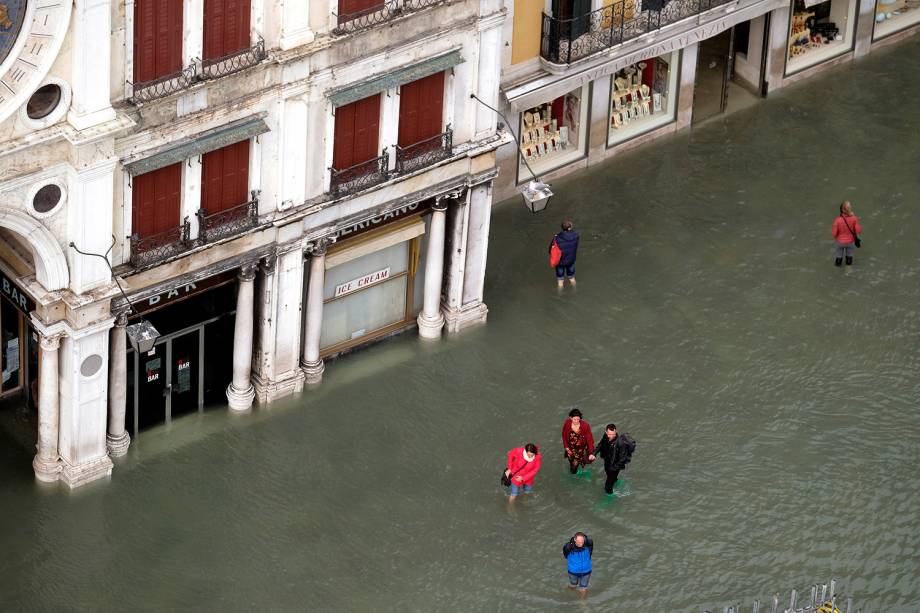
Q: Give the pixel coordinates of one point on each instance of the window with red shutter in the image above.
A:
(156, 200)
(349, 9)
(226, 27)
(421, 107)
(357, 132)
(157, 39)
(225, 178)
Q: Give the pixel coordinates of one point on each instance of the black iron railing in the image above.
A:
(197, 71)
(360, 176)
(424, 153)
(164, 86)
(377, 14)
(162, 246)
(564, 41)
(229, 222)
(233, 62)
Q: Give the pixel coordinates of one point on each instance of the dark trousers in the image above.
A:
(611, 479)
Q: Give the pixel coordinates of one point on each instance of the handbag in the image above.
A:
(506, 479)
(555, 254)
(856, 239)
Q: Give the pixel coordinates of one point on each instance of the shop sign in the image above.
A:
(181, 292)
(362, 282)
(373, 222)
(16, 294)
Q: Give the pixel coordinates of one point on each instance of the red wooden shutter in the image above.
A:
(155, 200)
(357, 132)
(226, 27)
(349, 7)
(421, 106)
(157, 38)
(225, 177)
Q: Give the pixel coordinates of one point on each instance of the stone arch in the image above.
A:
(50, 262)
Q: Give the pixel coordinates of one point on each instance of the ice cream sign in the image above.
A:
(362, 282)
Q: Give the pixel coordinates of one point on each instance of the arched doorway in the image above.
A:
(32, 264)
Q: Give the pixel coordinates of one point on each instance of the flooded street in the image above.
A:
(773, 396)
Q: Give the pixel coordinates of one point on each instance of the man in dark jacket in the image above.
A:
(568, 244)
(616, 455)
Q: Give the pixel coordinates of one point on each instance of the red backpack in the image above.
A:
(555, 254)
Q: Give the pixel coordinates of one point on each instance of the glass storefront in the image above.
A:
(895, 15)
(12, 330)
(554, 134)
(372, 286)
(643, 96)
(819, 31)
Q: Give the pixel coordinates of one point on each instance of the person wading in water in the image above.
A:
(617, 451)
(577, 441)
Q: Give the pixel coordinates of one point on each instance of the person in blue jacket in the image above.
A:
(577, 554)
(568, 244)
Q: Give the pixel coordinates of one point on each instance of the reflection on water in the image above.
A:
(773, 398)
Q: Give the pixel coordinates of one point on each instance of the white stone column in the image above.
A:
(430, 320)
(117, 439)
(93, 184)
(47, 463)
(310, 361)
(487, 80)
(91, 47)
(295, 24)
(240, 392)
(465, 306)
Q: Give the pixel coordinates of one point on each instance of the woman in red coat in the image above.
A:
(845, 229)
(577, 441)
(523, 465)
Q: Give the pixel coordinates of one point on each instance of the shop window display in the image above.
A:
(554, 134)
(894, 15)
(643, 96)
(819, 31)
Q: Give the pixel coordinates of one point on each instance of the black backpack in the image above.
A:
(629, 444)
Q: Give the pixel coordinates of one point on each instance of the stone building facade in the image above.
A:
(583, 80)
(270, 184)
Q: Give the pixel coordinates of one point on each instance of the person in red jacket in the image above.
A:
(845, 229)
(577, 441)
(523, 465)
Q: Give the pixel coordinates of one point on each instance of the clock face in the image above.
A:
(12, 15)
(31, 34)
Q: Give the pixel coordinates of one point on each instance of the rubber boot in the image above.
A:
(838, 261)
(849, 260)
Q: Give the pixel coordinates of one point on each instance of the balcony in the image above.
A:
(162, 246)
(424, 153)
(360, 176)
(564, 41)
(381, 13)
(229, 222)
(196, 72)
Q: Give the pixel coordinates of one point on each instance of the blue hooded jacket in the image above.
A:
(578, 558)
(568, 243)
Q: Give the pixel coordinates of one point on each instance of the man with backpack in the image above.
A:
(617, 450)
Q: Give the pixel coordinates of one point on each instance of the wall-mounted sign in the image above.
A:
(181, 292)
(362, 282)
(16, 294)
(373, 222)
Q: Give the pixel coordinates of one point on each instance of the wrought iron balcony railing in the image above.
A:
(197, 71)
(564, 41)
(381, 12)
(164, 86)
(360, 176)
(424, 153)
(229, 222)
(232, 62)
(158, 247)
